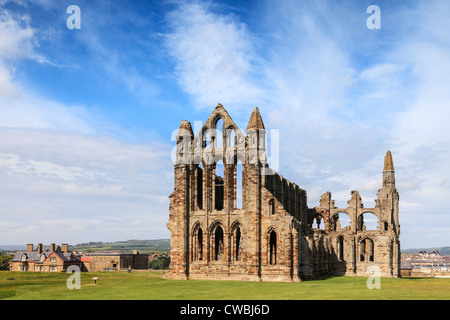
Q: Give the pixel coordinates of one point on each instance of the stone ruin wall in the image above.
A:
(270, 237)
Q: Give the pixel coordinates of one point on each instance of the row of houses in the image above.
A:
(430, 265)
(57, 258)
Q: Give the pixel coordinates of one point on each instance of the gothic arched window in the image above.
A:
(273, 247)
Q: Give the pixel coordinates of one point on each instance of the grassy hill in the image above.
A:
(143, 246)
(444, 251)
(148, 285)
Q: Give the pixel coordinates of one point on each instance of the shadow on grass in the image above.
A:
(323, 278)
(7, 294)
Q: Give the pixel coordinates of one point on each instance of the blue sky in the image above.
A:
(87, 116)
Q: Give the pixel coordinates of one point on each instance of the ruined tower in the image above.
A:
(233, 217)
(387, 203)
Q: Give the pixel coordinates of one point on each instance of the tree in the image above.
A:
(4, 261)
(159, 263)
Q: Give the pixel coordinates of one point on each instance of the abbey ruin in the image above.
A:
(232, 217)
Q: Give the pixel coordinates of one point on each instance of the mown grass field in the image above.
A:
(149, 285)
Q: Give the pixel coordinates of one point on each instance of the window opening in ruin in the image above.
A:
(218, 135)
(340, 222)
(200, 244)
(206, 138)
(230, 135)
(239, 187)
(341, 248)
(368, 221)
(370, 249)
(219, 186)
(272, 206)
(273, 247)
(362, 249)
(238, 244)
(317, 223)
(335, 225)
(367, 250)
(200, 186)
(218, 243)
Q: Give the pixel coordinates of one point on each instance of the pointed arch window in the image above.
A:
(200, 244)
(200, 187)
(239, 185)
(273, 247)
(230, 137)
(237, 244)
(341, 248)
(206, 138)
(218, 243)
(197, 244)
(367, 250)
(218, 135)
(317, 223)
(219, 184)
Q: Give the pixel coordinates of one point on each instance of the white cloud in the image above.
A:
(9, 91)
(71, 182)
(214, 56)
(405, 92)
(27, 111)
(421, 132)
(16, 36)
(19, 107)
(60, 178)
(18, 39)
(13, 165)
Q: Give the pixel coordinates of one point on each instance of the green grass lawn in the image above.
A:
(149, 285)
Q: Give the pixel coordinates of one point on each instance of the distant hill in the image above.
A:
(444, 251)
(143, 246)
(147, 246)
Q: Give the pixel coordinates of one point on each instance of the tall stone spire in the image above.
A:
(388, 171)
(255, 120)
(256, 135)
(388, 163)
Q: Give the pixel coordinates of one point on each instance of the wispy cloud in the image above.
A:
(75, 178)
(61, 176)
(214, 56)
